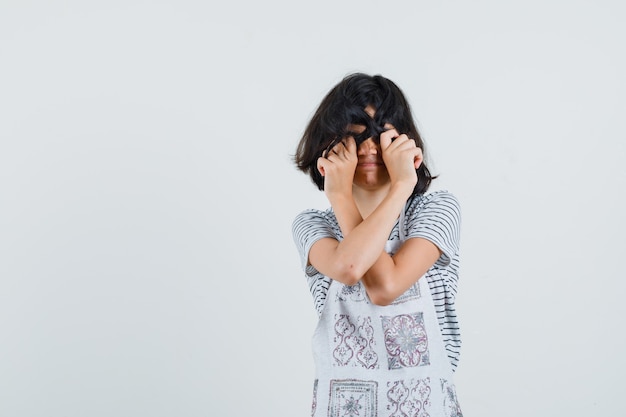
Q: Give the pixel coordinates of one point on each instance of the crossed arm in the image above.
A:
(361, 255)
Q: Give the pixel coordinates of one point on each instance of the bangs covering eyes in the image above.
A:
(372, 131)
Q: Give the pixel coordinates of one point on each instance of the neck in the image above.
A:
(367, 200)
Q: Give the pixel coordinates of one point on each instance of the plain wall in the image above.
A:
(147, 266)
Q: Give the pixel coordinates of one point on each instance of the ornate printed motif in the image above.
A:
(406, 340)
(411, 294)
(344, 329)
(314, 405)
(450, 402)
(409, 398)
(354, 345)
(352, 398)
(354, 293)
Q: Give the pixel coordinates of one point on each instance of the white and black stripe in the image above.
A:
(436, 217)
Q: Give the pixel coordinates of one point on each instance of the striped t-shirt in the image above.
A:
(436, 217)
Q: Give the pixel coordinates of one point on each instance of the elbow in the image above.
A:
(381, 299)
(382, 295)
(348, 274)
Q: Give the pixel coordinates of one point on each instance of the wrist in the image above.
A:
(346, 212)
(339, 199)
(339, 196)
(403, 189)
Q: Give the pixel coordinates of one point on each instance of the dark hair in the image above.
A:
(344, 105)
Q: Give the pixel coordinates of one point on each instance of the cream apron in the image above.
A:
(381, 360)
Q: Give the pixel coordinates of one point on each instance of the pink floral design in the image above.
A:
(406, 340)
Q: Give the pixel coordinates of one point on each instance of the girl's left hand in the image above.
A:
(402, 157)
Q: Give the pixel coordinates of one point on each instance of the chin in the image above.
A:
(372, 182)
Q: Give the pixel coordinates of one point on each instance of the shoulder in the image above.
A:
(315, 219)
(441, 200)
(308, 227)
(314, 215)
(436, 217)
(436, 214)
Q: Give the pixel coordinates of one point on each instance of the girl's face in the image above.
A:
(370, 173)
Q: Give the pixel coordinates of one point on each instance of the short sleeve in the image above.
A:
(437, 217)
(308, 227)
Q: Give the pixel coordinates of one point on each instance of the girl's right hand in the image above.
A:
(337, 167)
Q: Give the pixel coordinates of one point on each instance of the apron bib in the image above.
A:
(381, 360)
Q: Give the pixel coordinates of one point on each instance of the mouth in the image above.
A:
(370, 161)
(367, 163)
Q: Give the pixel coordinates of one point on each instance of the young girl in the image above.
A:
(381, 262)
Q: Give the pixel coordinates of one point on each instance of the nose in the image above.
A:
(368, 147)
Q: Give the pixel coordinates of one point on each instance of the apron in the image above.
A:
(376, 361)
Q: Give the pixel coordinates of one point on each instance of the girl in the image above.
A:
(382, 262)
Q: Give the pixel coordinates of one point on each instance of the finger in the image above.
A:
(418, 158)
(328, 149)
(408, 147)
(403, 142)
(320, 166)
(396, 138)
(334, 155)
(390, 132)
(386, 138)
(347, 149)
(351, 145)
(339, 150)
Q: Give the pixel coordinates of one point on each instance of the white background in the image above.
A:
(147, 266)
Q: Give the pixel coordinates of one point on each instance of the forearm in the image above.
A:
(390, 276)
(364, 240)
(346, 213)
